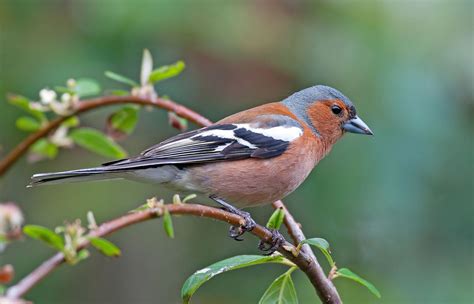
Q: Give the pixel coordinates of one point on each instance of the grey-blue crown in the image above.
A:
(319, 92)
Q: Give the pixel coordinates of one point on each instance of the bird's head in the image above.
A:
(327, 112)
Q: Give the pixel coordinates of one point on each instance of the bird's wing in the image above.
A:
(264, 137)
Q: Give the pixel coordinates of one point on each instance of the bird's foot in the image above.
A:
(275, 242)
(236, 232)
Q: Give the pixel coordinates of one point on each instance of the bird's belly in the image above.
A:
(250, 182)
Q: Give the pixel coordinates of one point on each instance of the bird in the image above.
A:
(250, 158)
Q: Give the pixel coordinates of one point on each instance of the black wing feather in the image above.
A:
(200, 146)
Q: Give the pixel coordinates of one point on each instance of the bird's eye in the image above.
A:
(336, 109)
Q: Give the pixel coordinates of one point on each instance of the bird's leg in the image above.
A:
(276, 241)
(236, 231)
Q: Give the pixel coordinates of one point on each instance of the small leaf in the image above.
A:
(281, 291)
(24, 104)
(71, 122)
(72, 257)
(166, 71)
(141, 208)
(91, 223)
(97, 142)
(120, 92)
(26, 123)
(45, 148)
(177, 199)
(123, 121)
(61, 89)
(106, 247)
(201, 276)
(44, 234)
(82, 255)
(147, 67)
(86, 87)
(346, 273)
(168, 223)
(188, 198)
(276, 219)
(121, 79)
(322, 245)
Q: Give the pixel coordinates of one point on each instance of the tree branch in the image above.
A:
(325, 287)
(306, 260)
(91, 104)
(302, 260)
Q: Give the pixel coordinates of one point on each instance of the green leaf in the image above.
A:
(281, 291)
(166, 71)
(24, 104)
(125, 119)
(201, 276)
(29, 124)
(147, 67)
(44, 148)
(141, 208)
(121, 79)
(71, 122)
(86, 87)
(275, 221)
(44, 234)
(61, 89)
(177, 199)
(346, 273)
(82, 255)
(322, 245)
(188, 198)
(106, 247)
(120, 92)
(168, 223)
(97, 142)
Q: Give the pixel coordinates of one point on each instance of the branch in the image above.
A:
(302, 260)
(91, 104)
(324, 286)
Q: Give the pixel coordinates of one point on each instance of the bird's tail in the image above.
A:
(81, 175)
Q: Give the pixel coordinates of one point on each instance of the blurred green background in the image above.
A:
(396, 208)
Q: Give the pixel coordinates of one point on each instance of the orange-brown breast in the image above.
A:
(252, 182)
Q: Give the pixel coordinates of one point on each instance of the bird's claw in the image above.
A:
(249, 224)
(236, 231)
(275, 242)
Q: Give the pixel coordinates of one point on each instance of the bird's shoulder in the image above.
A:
(257, 113)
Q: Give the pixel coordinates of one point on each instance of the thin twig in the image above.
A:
(87, 105)
(303, 261)
(326, 289)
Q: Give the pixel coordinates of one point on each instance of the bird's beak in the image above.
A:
(357, 125)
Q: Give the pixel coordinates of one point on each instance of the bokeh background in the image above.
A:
(396, 208)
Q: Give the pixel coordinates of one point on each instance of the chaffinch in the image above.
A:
(254, 157)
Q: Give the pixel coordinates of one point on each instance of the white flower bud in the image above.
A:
(11, 218)
(71, 83)
(39, 106)
(60, 139)
(47, 96)
(66, 97)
